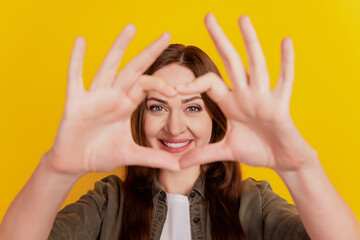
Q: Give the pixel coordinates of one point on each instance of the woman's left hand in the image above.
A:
(260, 130)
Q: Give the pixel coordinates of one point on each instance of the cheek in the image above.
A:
(152, 126)
(149, 126)
(202, 128)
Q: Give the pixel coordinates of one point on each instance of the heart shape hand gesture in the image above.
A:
(95, 132)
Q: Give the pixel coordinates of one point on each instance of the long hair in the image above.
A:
(222, 188)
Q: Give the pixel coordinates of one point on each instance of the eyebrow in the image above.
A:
(182, 101)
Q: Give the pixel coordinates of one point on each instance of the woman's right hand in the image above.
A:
(95, 132)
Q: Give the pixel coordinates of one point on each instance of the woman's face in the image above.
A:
(176, 124)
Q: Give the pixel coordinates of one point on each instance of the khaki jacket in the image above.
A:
(97, 214)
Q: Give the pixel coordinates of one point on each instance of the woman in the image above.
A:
(176, 116)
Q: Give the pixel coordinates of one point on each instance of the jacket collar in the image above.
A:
(199, 187)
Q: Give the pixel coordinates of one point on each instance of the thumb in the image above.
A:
(210, 153)
(149, 157)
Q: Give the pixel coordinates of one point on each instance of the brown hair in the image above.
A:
(222, 188)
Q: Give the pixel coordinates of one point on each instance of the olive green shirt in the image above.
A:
(97, 214)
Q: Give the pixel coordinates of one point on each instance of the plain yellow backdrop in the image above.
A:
(36, 38)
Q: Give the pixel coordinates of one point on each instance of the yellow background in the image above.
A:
(36, 38)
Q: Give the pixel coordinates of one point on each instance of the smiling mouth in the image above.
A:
(175, 146)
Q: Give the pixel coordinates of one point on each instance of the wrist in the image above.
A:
(310, 163)
(49, 163)
(307, 174)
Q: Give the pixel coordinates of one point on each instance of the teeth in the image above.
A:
(176, 145)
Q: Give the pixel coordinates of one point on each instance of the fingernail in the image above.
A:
(181, 87)
(289, 41)
(166, 35)
(130, 28)
(184, 164)
(245, 20)
(172, 91)
(211, 17)
(80, 42)
(79, 39)
(178, 167)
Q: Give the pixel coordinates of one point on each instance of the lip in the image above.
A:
(171, 140)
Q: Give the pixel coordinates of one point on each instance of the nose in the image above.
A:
(176, 124)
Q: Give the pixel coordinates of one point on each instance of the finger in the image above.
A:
(147, 83)
(287, 70)
(75, 80)
(136, 67)
(232, 61)
(210, 153)
(210, 83)
(107, 71)
(149, 157)
(259, 78)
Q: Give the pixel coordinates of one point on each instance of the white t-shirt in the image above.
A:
(177, 222)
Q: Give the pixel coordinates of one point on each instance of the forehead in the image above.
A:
(175, 74)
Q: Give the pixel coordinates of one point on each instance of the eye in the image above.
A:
(194, 109)
(156, 108)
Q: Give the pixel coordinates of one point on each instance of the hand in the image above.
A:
(95, 132)
(260, 130)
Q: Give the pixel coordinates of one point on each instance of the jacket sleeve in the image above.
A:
(281, 219)
(83, 219)
(273, 216)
